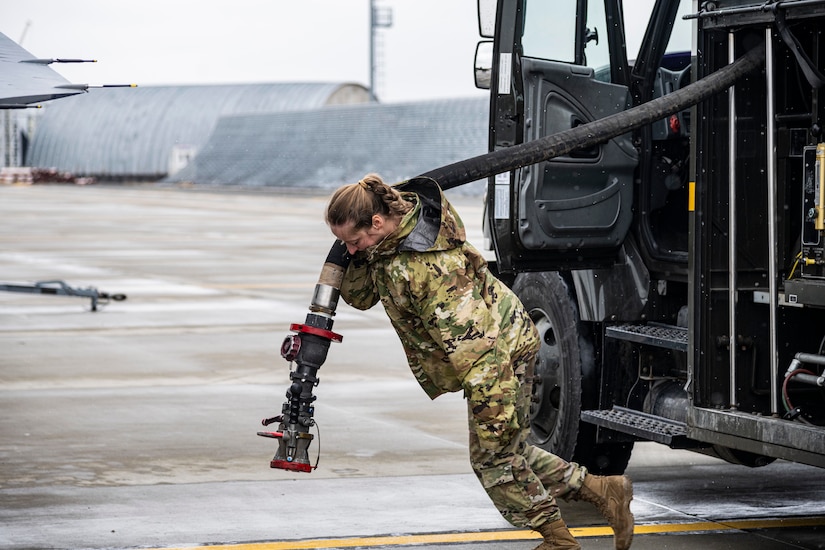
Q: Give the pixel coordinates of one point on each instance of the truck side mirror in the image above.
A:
(484, 64)
(487, 18)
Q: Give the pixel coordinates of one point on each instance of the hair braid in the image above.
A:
(358, 202)
(388, 195)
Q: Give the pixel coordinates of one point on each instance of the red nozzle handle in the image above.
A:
(273, 435)
(308, 329)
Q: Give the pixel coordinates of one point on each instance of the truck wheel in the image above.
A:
(554, 413)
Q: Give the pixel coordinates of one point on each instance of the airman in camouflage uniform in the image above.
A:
(461, 329)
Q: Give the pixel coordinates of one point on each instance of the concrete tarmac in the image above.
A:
(135, 426)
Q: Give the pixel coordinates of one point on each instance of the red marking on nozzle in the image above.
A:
(323, 333)
(274, 435)
(285, 465)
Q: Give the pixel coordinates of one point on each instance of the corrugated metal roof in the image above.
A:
(336, 145)
(131, 132)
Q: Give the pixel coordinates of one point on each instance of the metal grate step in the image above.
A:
(642, 425)
(661, 336)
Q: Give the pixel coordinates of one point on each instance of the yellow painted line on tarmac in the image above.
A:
(497, 536)
(732, 525)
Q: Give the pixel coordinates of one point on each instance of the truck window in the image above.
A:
(550, 32)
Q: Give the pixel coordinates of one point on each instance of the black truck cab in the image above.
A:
(675, 271)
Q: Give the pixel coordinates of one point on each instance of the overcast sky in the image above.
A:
(426, 54)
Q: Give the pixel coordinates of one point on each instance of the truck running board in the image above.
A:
(660, 336)
(642, 425)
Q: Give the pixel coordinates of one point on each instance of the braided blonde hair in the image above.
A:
(359, 202)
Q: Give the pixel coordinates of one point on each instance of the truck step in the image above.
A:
(661, 336)
(642, 425)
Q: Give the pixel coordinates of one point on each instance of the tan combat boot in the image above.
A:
(556, 537)
(612, 496)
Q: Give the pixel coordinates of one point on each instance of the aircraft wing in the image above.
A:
(24, 79)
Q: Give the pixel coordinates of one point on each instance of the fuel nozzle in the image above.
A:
(307, 348)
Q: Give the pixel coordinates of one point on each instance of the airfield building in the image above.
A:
(288, 135)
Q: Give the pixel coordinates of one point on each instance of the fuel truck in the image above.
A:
(676, 271)
(656, 199)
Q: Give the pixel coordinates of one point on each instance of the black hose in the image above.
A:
(580, 137)
(598, 131)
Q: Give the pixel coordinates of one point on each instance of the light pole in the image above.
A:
(380, 17)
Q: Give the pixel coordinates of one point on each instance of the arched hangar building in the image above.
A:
(146, 133)
(288, 135)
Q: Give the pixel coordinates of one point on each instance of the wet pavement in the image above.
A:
(134, 426)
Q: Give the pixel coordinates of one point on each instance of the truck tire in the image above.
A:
(559, 382)
(554, 413)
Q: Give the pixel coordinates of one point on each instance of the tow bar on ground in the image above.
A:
(60, 288)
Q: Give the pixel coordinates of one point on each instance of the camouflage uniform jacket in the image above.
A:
(451, 314)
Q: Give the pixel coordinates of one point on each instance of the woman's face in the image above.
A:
(361, 239)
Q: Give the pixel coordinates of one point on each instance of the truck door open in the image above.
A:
(579, 204)
(570, 64)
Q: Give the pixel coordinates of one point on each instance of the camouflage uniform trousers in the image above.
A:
(522, 480)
